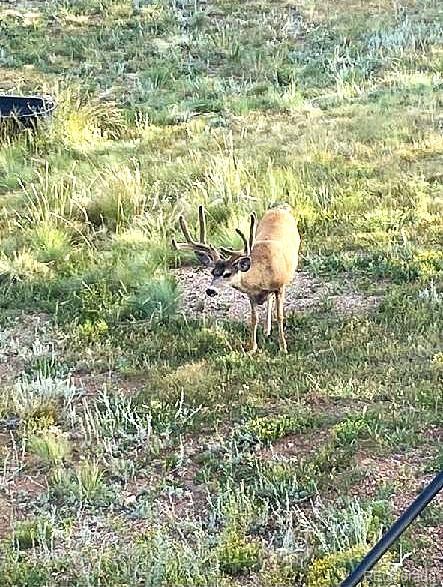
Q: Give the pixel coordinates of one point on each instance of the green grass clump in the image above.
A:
(51, 243)
(267, 429)
(155, 300)
(21, 573)
(50, 445)
(89, 480)
(32, 533)
(82, 485)
(238, 554)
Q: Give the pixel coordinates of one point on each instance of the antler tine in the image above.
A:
(202, 224)
(228, 252)
(191, 245)
(185, 230)
(245, 241)
(252, 224)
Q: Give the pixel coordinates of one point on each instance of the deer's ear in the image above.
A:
(203, 258)
(244, 264)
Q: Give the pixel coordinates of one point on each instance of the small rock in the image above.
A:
(11, 423)
(130, 499)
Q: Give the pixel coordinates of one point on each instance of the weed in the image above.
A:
(34, 399)
(351, 429)
(335, 567)
(281, 483)
(282, 570)
(32, 533)
(267, 429)
(238, 554)
(83, 485)
(17, 572)
(155, 300)
(91, 331)
(50, 445)
(335, 529)
(112, 424)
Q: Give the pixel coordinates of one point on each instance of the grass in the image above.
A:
(143, 446)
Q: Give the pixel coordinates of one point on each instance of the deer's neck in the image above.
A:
(248, 287)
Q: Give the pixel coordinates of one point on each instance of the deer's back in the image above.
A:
(274, 256)
(279, 225)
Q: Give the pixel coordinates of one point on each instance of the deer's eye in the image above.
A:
(217, 271)
(227, 274)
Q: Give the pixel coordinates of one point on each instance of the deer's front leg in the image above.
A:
(280, 298)
(254, 322)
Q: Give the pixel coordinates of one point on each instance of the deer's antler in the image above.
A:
(200, 248)
(247, 243)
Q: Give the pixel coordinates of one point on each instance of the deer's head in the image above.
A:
(226, 264)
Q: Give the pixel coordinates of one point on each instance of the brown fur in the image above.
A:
(261, 271)
(274, 255)
(274, 260)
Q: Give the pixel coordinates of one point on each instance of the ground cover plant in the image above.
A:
(139, 443)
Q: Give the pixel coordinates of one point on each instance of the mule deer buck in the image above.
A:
(261, 270)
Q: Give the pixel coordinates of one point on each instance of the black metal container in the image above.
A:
(24, 112)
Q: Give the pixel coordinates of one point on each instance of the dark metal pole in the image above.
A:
(408, 516)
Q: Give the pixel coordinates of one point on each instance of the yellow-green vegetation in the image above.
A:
(141, 446)
(33, 532)
(49, 445)
(238, 554)
(332, 569)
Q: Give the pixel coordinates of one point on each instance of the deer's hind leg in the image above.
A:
(280, 298)
(269, 308)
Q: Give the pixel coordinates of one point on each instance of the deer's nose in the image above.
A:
(211, 292)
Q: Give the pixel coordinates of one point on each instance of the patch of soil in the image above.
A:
(17, 493)
(5, 516)
(93, 383)
(296, 446)
(25, 4)
(20, 340)
(405, 471)
(304, 293)
(406, 474)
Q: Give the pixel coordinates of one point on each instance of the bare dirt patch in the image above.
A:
(296, 446)
(18, 492)
(304, 293)
(404, 472)
(28, 10)
(406, 475)
(27, 335)
(5, 516)
(25, 4)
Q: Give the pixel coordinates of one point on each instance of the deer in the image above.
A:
(261, 269)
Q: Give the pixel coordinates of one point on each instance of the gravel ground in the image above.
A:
(304, 293)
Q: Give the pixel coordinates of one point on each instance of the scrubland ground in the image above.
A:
(139, 443)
